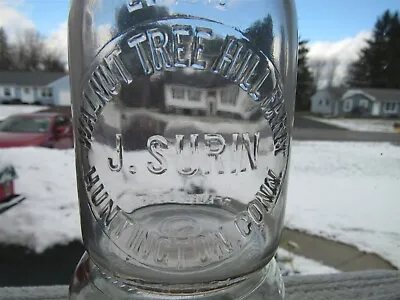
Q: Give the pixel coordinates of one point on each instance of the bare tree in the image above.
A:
(5, 53)
(317, 67)
(330, 72)
(31, 54)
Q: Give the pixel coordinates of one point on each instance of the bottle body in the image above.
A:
(182, 119)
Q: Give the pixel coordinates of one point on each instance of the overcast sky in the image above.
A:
(336, 29)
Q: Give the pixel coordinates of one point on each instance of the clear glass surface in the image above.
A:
(183, 115)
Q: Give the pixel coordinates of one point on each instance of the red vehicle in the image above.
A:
(51, 130)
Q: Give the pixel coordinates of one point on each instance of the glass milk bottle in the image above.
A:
(183, 115)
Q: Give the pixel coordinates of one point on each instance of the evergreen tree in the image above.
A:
(261, 35)
(5, 55)
(305, 79)
(379, 61)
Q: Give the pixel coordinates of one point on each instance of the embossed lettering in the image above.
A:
(91, 178)
(117, 167)
(235, 153)
(221, 245)
(100, 91)
(264, 201)
(161, 253)
(242, 66)
(107, 212)
(194, 147)
(115, 64)
(273, 108)
(119, 227)
(135, 233)
(227, 61)
(250, 72)
(243, 224)
(158, 46)
(86, 124)
(154, 145)
(251, 153)
(133, 5)
(269, 190)
(198, 47)
(108, 80)
(178, 32)
(215, 146)
(254, 90)
(256, 211)
(97, 196)
(137, 43)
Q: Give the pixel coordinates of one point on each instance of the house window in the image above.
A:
(27, 90)
(178, 93)
(363, 103)
(347, 105)
(47, 92)
(390, 107)
(194, 95)
(229, 96)
(7, 92)
(327, 102)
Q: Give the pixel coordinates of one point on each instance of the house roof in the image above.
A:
(383, 94)
(36, 78)
(336, 91)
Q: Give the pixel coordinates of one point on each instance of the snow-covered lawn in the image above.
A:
(366, 125)
(8, 110)
(347, 192)
(343, 191)
(296, 264)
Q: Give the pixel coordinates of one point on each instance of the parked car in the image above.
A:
(51, 130)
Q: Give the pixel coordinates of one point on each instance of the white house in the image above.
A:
(27, 87)
(325, 101)
(207, 95)
(367, 102)
(61, 91)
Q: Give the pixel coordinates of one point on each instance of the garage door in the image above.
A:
(64, 98)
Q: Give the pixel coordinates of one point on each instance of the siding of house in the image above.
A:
(357, 100)
(323, 102)
(61, 91)
(185, 103)
(27, 94)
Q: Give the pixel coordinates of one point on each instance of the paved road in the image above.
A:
(310, 130)
(341, 256)
(301, 122)
(315, 134)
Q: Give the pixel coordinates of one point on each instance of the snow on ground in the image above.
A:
(347, 192)
(49, 215)
(367, 125)
(8, 110)
(291, 264)
(343, 191)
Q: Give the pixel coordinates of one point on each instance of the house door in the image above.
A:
(211, 108)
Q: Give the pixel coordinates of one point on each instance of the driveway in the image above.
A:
(301, 122)
(311, 130)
